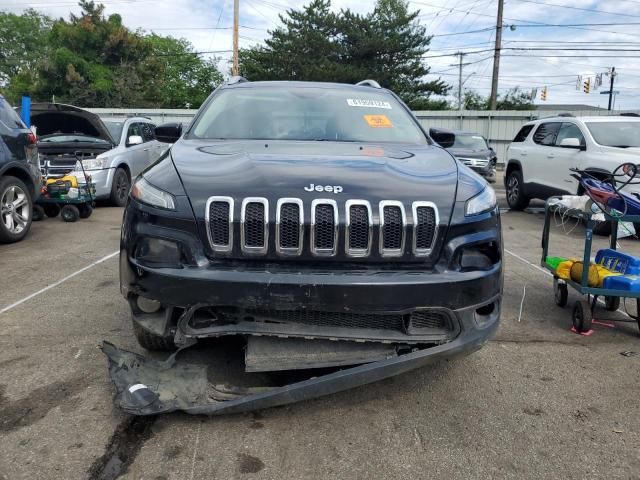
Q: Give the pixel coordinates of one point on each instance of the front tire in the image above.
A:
(120, 187)
(16, 207)
(151, 341)
(582, 316)
(516, 198)
(70, 213)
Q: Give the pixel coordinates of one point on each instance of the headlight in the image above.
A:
(144, 192)
(94, 164)
(483, 202)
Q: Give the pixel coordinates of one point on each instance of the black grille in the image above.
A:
(428, 319)
(325, 227)
(219, 223)
(425, 227)
(358, 227)
(393, 228)
(290, 225)
(334, 319)
(254, 225)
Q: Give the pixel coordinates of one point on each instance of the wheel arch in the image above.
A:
(23, 175)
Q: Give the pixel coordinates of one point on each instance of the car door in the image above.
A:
(566, 157)
(137, 155)
(541, 161)
(154, 148)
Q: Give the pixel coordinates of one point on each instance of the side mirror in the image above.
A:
(442, 137)
(169, 132)
(134, 140)
(571, 143)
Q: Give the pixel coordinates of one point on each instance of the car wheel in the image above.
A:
(85, 210)
(16, 209)
(70, 213)
(120, 187)
(38, 213)
(150, 341)
(51, 210)
(515, 196)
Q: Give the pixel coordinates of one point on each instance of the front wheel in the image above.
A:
(120, 187)
(516, 198)
(560, 293)
(70, 213)
(582, 316)
(16, 209)
(151, 341)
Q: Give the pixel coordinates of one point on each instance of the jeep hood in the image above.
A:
(277, 169)
(52, 118)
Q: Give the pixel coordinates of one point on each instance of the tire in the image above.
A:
(51, 210)
(150, 341)
(602, 229)
(16, 210)
(38, 213)
(70, 213)
(85, 210)
(560, 293)
(120, 187)
(612, 303)
(515, 196)
(581, 316)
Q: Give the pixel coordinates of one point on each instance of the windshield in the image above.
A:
(470, 142)
(115, 129)
(70, 138)
(307, 113)
(615, 134)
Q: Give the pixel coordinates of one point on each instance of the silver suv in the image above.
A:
(112, 151)
(543, 151)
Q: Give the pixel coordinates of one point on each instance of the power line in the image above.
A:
(593, 10)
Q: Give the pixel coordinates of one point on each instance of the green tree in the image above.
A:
(183, 78)
(387, 44)
(23, 42)
(513, 99)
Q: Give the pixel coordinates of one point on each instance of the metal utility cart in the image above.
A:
(582, 314)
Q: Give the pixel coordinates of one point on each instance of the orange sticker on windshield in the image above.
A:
(378, 121)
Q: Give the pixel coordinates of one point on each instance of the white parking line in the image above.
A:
(62, 280)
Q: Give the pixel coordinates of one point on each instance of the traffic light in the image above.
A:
(586, 86)
(543, 94)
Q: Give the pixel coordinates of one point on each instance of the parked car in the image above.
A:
(19, 175)
(112, 151)
(543, 151)
(309, 212)
(472, 149)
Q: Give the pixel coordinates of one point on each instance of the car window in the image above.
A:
(134, 129)
(307, 113)
(570, 130)
(115, 129)
(8, 116)
(546, 133)
(616, 134)
(471, 142)
(523, 133)
(148, 132)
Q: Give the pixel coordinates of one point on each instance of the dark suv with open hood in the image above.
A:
(315, 211)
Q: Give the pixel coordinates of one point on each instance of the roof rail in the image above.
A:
(566, 114)
(629, 114)
(368, 83)
(236, 79)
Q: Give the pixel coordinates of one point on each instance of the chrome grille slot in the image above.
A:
(359, 228)
(324, 227)
(219, 219)
(289, 226)
(393, 222)
(254, 219)
(425, 227)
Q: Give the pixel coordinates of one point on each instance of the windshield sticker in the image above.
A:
(378, 121)
(363, 102)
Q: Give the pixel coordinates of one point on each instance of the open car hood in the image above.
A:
(51, 118)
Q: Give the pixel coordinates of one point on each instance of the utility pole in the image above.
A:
(236, 17)
(496, 58)
(613, 76)
(460, 54)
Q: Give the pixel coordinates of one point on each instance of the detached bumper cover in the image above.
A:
(149, 387)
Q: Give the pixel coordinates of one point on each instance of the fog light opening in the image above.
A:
(486, 309)
(486, 314)
(147, 305)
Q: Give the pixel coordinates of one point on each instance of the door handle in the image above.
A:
(551, 155)
(146, 149)
(524, 154)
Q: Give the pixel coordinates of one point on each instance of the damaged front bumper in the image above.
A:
(149, 387)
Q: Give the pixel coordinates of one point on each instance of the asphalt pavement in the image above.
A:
(537, 402)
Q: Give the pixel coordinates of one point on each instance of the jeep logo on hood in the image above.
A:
(327, 188)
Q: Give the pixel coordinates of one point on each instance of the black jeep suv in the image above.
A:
(19, 175)
(316, 211)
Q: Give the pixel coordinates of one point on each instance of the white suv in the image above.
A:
(543, 151)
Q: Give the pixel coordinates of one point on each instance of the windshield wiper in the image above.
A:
(621, 146)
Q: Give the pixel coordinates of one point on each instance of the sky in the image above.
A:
(456, 25)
